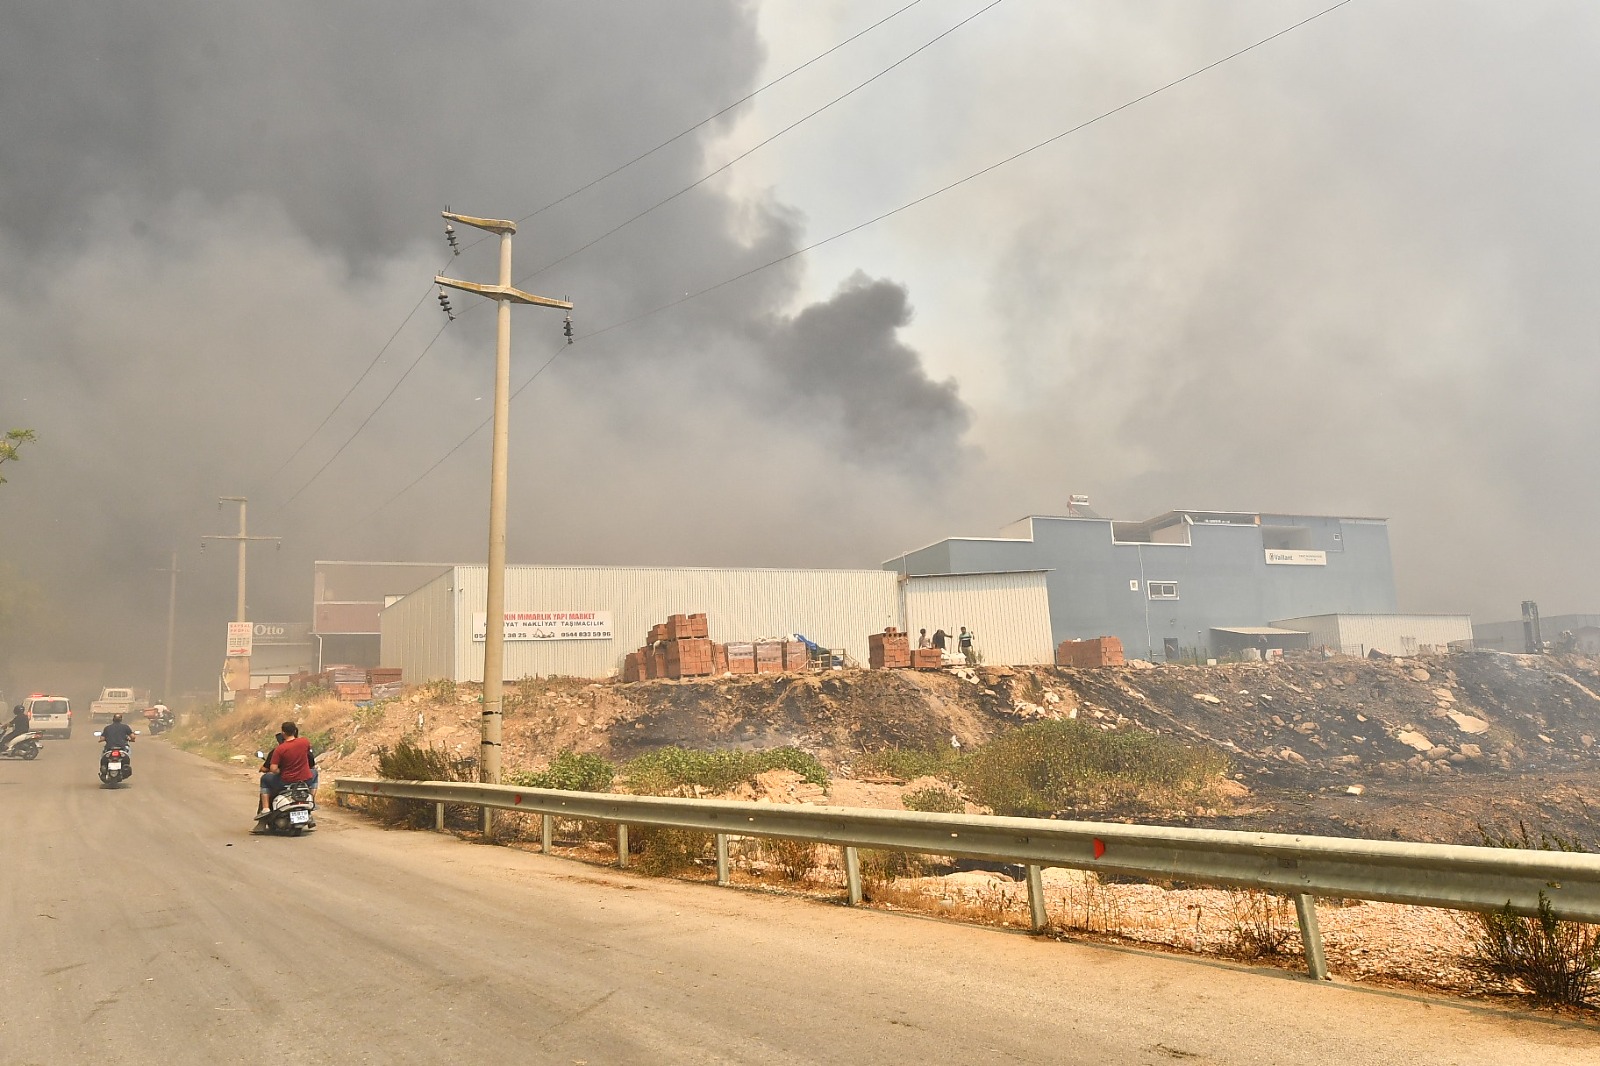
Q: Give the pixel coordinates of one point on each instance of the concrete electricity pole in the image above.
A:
(172, 623)
(495, 607)
(244, 539)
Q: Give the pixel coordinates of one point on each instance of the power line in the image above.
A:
(869, 222)
(760, 144)
(392, 389)
(712, 118)
(354, 385)
(746, 98)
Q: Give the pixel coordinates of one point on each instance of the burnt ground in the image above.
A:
(1436, 746)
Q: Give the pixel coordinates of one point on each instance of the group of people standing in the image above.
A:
(940, 639)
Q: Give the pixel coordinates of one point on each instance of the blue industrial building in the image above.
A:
(1185, 581)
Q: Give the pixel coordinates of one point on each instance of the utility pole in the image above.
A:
(172, 623)
(243, 537)
(495, 606)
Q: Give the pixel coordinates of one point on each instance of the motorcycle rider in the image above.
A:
(287, 764)
(18, 726)
(118, 734)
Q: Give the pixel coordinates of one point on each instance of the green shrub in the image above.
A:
(933, 800)
(1557, 961)
(1045, 767)
(795, 859)
(569, 772)
(907, 765)
(407, 761)
(666, 852)
(882, 867)
(667, 771)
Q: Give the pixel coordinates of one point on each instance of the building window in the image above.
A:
(1163, 590)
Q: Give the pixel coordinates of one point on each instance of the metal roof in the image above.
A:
(1260, 631)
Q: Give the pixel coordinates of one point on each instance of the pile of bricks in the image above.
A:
(681, 647)
(1088, 654)
(927, 659)
(889, 650)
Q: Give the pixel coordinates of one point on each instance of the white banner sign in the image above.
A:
(548, 625)
(241, 636)
(1278, 557)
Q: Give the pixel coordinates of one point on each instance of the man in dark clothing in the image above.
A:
(939, 638)
(19, 725)
(289, 763)
(118, 734)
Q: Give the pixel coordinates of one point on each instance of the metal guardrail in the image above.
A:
(1304, 867)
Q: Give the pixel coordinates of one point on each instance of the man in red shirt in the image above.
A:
(289, 763)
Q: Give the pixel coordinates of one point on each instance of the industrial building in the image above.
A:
(1390, 634)
(346, 599)
(1162, 586)
(581, 621)
(1574, 632)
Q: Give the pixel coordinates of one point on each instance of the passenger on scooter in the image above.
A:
(118, 734)
(287, 764)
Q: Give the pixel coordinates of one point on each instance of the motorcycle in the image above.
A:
(22, 746)
(290, 812)
(115, 765)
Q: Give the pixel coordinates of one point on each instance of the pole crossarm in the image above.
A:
(503, 292)
(502, 226)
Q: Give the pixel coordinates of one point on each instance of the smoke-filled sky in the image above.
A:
(1352, 271)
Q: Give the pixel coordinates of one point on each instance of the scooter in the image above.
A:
(290, 812)
(22, 746)
(115, 765)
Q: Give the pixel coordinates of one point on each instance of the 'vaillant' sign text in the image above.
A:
(1282, 557)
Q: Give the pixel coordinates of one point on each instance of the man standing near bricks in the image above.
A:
(923, 641)
(964, 643)
(939, 639)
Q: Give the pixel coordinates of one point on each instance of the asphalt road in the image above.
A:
(144, 925)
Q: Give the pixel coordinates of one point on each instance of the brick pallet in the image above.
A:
(1090, 654)
(741, 658)
(889, 650)
(927, 659)
(769, 657)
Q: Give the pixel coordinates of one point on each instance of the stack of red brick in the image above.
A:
(680, 647)
(889, 650)
(1101, 651)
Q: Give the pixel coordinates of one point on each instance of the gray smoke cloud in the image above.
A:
(211, 217)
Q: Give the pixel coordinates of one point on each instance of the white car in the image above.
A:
(51, 715)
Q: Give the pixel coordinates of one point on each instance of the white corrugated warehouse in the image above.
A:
(579, 621)
(1392, 634)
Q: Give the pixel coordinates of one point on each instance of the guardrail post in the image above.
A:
(852, 875)
(547, 831)
(622, 845)
(340, 799)
(438, 817)
(488, 825)
(1036, 899)
(722, 859)
(1305, 906)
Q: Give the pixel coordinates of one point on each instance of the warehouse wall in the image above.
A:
(835, 608)
(1392, 634)
(1010, 613)
(418, 632)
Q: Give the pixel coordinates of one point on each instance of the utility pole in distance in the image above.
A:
(495, 606)
(172, 623)
(243, 537)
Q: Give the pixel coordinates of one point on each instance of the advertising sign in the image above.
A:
(548, 625)
(280, 632)
(1285, 557)
(240, 639)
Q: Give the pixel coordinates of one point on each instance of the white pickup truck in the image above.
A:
(123, 701)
